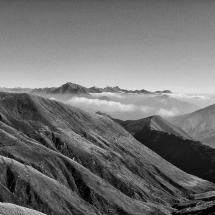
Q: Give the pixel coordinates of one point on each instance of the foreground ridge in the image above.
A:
(11, 209)
(59, 159)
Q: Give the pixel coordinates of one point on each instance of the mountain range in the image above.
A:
(124, 104)
(59, 159)
(71, 88)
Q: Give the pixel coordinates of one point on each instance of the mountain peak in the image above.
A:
(70, 88)
(154, 122)
(71, 84)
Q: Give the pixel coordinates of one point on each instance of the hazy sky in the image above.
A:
(135, 44)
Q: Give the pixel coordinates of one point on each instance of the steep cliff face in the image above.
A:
(59, 159)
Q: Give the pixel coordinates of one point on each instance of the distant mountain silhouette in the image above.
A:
(59, 159)
(168, 103)
(45, 90)
(164, 91)
(199, 124)
(77, 89)
(111, 89)
(16, 89)
(70, 88)
(95, 90)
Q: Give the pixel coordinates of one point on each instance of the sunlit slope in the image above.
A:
(174, 145)
(11, 209)
(200, 124)
(60, 159)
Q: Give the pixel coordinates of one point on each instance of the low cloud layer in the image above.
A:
(120, 110)
(188, 96)
(168, 113)
(96, 104)
(108, 106)
(135, 106)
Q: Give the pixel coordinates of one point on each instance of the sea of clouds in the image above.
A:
(124, 106)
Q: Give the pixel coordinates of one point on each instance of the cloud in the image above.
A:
(109, 94)
(108, 106)
(122, 95)
(168, 113)
(188, 96)
(121, 110)
(96, 104)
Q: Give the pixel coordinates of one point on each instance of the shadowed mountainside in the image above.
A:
(153, 123)
(59, 159)
(174, 145)
(199, 124)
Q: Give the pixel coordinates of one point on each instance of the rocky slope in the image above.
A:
(59, 159)
(199, 124)
(174, 145)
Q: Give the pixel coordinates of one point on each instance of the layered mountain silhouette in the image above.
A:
(164, 91)
(168, 103)
(67, 89)
(59, 159)
(121, 103)
(174, 145)
(71, 88)
(199, 124)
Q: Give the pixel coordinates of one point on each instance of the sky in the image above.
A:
(133, 44)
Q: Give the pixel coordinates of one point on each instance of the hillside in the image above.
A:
(174, 145)
(59, 159)
(199, 124)
(153, 123)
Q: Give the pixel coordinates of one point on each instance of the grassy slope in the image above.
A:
(60, 159)
(174, 145)
(11, 209)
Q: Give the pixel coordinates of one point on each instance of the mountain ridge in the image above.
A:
(199, 124)
(174, 145)
(76, 88)
(67, 160)
(154, 122)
